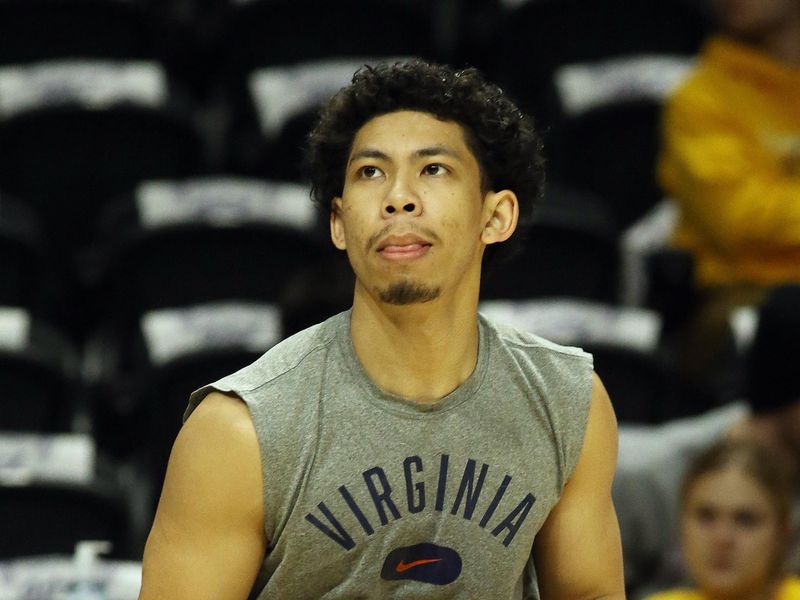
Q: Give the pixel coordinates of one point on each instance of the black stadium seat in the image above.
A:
(56, 491)
(22, 255)
(36, 30)
(38, 375)
(538, 36)
(607, 137)
(51, 518)
(275, 108)
(74, 133)
(181, 242)
(570, 250)
(282, 32)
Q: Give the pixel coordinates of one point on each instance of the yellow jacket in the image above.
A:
(731, 160)
(790, 590)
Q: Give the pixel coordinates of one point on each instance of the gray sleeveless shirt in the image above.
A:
(368, 495)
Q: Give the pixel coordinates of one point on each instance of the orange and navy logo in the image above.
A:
(427, 563)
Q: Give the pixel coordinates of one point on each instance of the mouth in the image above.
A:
(721, 563)
(403, 247)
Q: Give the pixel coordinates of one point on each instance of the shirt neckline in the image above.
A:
(398, 404)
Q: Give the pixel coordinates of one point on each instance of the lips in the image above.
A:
(403, 247)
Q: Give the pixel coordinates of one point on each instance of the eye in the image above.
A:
(705, 514)
(369, 172)
(434, 169)
(747, 519)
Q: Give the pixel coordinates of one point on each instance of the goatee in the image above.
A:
(407, 292)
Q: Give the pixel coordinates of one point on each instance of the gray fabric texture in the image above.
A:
(369, 495)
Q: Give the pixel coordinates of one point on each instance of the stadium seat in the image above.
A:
(317, 292)
(275, 108)
(22, 255)
(266, 32)
(538, 36)
(177, 243)
(607, 136)
(64, 576)
(37, 30)
(570, 250)
(73, 133)
(53, 495)
(38, 375)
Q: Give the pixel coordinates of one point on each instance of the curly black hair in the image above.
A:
(503, 139)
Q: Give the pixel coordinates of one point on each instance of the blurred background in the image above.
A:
(156, 231)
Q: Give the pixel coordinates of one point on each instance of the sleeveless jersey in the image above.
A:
(369, 495)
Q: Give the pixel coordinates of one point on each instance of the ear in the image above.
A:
(501, 212)
(337, 225)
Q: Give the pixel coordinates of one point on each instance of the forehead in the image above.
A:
(731, 488)
(409, 130)
(754, 8)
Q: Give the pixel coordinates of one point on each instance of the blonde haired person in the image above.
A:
(735, 526)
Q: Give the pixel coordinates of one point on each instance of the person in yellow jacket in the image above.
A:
(735, 526)
(731, 160)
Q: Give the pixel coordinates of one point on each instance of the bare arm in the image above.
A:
(577, 552)
(207, 540)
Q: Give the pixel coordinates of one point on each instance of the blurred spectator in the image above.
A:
(731, 160)
(735, 526)
(653, 459)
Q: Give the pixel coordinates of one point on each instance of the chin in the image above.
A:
(726, 586)
(408, 292)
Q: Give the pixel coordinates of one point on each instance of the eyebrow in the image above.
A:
(422, 152)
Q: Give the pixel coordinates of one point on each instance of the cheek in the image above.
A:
(763, 543)
(695, 539)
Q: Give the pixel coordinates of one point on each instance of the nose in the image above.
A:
(723, 535)
(401, 198)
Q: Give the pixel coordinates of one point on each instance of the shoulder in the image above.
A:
(676, 594)
(301, 354)
(293, 352)
(220, 424)
(218, 433)
(546, 362)
(599, 441)
(790, 590)
(560, 382)
(562, 375)
(514, 338)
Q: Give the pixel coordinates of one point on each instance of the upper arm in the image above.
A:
(208, 538)
(577, 551)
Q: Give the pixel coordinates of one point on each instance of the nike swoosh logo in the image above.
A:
(403, 566)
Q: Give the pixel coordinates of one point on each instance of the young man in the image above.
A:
(407, 448)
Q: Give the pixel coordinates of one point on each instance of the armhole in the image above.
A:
(577, 417)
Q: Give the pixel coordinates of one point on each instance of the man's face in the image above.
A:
(755, 18)
(731, 533)
(412, 212)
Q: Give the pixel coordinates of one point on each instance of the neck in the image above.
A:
(783, 42)
(419, 351)
(766, 592)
